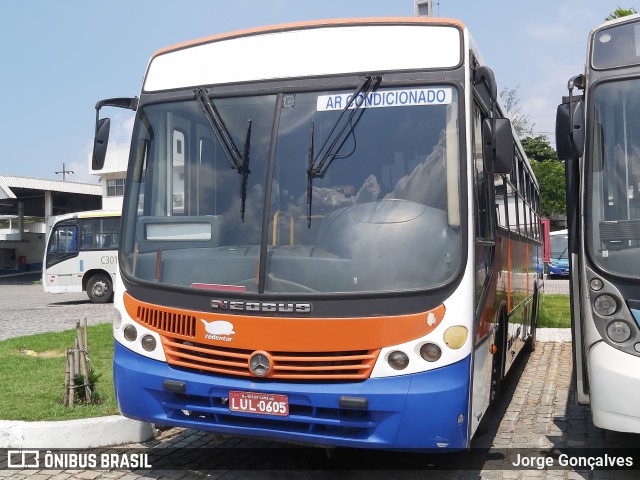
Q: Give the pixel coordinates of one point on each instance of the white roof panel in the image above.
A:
(297, 53)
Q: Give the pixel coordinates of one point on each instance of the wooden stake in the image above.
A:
(67, 372)
(72, 376)
(83, 362)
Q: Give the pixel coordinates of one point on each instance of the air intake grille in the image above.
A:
(167, 322)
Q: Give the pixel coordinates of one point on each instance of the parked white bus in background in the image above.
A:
(82, 254)
(598, 134)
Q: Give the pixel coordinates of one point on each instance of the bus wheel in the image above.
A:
(100, 288)
(497, 368)
(530, 345)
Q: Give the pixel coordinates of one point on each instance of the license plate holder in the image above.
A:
(259, 403)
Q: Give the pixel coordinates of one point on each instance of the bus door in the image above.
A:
(485, 282)
(62, 249)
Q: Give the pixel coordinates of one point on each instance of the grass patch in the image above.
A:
(555, 311)
(33, 375)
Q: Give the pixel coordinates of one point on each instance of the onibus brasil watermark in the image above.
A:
(45, 459)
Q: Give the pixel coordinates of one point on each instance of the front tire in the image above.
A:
(100, 288)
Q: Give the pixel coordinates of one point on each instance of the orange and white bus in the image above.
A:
(330, 235)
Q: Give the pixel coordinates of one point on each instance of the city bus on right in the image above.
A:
(598, 136)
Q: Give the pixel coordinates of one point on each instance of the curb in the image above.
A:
(81, 433)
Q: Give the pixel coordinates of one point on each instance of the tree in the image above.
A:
(513, 110)
(539, 149)
(550, 174)
(620, 12)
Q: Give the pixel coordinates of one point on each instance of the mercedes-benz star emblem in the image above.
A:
(259, 364)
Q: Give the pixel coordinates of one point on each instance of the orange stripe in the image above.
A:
(312, 24)
(527, 268)
(508, 274)
(300, 334)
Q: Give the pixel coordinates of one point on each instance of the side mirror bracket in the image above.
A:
(570, 135)
(497, 134)
(103, 126)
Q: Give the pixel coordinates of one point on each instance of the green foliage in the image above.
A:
(33, 375)
(550, 174)
(538, 148)
(555, 312)
(620, 12)
(80, 391)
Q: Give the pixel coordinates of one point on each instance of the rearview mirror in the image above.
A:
(103, 125)
(570, 130)
(497, 139)
(100, 143)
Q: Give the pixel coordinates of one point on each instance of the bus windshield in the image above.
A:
(559, 246)
(385, 212)
(613, 185)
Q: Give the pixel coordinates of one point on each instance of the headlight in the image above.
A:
(117, 319)
(398, 360)
(596, 284)
(130, 333)
(148, 343)
(430, 352)
(605, 305)
(619, 331)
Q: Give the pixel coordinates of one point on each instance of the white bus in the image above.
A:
(598, 134)
(330, 235)
(82, 254)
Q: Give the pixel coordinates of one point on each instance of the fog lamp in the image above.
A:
(619, 331)
(148, 343)
(130, 333)
(605, 305)
(455, 337)
(430, 352)
(398, 360)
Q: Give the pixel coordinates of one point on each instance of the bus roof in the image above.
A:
(308, 49)
(311, 24)
(87, 214)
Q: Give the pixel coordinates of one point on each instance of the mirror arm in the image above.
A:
(119, 102)
(574, 82)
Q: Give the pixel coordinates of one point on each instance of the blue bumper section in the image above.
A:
(420, 411)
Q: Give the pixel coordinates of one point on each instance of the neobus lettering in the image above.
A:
(268, 307)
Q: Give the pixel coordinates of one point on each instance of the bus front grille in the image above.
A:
(351, 365)
(167, 321)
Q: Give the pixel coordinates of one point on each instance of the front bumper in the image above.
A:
(426, 411)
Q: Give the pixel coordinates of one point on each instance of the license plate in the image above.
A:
(260, 403)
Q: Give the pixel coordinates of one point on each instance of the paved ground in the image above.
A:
(25, 309)
(556, 285)
(538, 414)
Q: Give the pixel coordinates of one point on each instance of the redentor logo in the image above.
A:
(264, 307)
(218, 330)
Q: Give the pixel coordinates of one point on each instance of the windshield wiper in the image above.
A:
(237, 161)
(317, 165)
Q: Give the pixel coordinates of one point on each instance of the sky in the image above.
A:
(58, 58)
